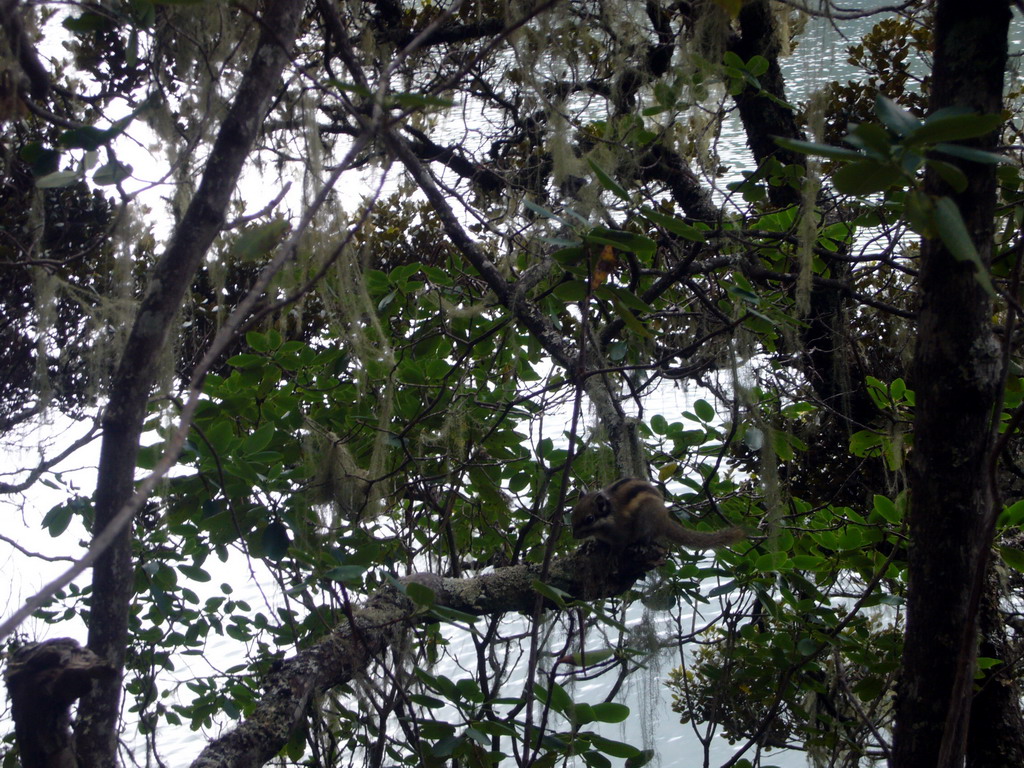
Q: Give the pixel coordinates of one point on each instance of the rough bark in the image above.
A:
(765, 118)
(995, 735)
(956, 377)
(113, 575)
(44, 680)
(588, 574)
(35, 80)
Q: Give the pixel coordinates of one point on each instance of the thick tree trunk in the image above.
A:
(995, 735)
(763, 118)
(113, 575)
(956, 377)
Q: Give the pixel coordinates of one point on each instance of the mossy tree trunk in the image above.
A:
(956, 374)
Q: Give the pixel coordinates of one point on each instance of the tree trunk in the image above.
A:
(113, 575)
(956, 377)
(995, 736)
(763, 118)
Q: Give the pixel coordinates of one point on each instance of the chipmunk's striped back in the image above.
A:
(632, 511)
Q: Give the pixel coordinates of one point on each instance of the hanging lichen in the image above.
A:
(807, 225)
(112, 312)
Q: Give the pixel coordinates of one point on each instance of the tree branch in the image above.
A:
(113, 574)
(382, 622)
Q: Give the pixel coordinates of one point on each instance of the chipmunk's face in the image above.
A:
(593, 516)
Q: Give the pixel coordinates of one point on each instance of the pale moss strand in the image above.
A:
(807, 227)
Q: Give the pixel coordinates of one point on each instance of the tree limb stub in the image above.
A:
(43, 680)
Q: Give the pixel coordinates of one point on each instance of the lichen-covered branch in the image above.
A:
(382, 622)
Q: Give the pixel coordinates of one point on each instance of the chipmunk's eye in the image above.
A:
(588, 519)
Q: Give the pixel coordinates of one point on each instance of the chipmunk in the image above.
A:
(631, 511)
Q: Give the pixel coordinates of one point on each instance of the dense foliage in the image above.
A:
(393, 282)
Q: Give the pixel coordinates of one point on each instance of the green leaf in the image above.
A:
(954, 235)
(642, 759)
(952, 175)
(732, 60)
(56, 521)
(705, 412)
(444, 613)
(246, 360)
(608, 182)
(469, 689)
(1012, 515)
(195, 573)
(866, 177)
(346, 573)
(818, 150)
(970, 153)
(86, 137)
(274, 540)
(873, 139)
(257, 242)
(543, 212)
(257, 341)
(919, 211)
(58, 179)
(569, 257)
(631, 320)
(869, 689)
(422, 595)
(590, 658)
(610, 712)
(557, 697)
(419, 100)
(556, 596)
(571, 290)
(628, 298)
(770, 562)
(807, 646)
(113, 172)
(582, 714)
(613, 748)
(674, 225)
(494, 728)
(259, 439)
(724, 589)
(757, 65)
(895, 118)
(885, 507)
(446, 746)
(1013, 558)
(624, 241)
(898, 389)
(86, 23)
(938, 128)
